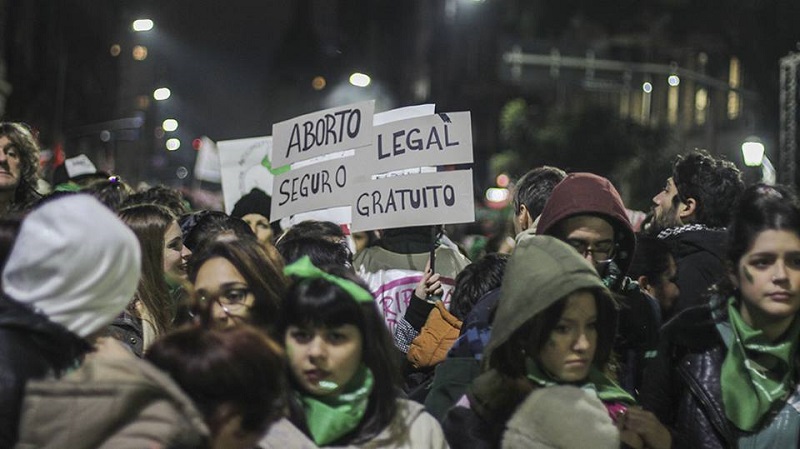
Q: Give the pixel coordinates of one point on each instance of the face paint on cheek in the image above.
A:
(747, 275)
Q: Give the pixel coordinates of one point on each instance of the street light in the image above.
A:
(140, 25)
(360, 79)
(169, 125)
(754, 155)
(162, 93)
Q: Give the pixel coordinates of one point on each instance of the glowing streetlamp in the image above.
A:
(360, 80)
(754, 155)
(140, 25)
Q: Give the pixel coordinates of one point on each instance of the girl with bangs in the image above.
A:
(342, 369)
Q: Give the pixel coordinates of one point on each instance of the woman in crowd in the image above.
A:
(558, 323)
(342, 370)
(726, 373)
(152, 311)
(242, 282)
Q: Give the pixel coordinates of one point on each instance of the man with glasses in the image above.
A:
(586, 211)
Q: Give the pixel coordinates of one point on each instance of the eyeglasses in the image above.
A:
(232, 300)
(602, 252)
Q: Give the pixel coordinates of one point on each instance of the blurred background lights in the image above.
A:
(318, 83)
(197, 144)
(170, 124)
(502, 180)
(115, 50)
(360, 79)
(182, 172)
(173, 144)
(673, 80)
(140, 52)
(647, 87)
(162, 93)
(142, 25)
(496, 195)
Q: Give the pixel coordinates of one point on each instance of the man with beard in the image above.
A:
(19, 162)
(690, 214)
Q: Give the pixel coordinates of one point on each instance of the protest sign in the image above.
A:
(413, 200)
(433, 140)
(245, 164)
(316, 186)
(323, 132)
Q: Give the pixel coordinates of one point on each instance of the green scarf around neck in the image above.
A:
(331, 417)
(757, 374)
(606, 389)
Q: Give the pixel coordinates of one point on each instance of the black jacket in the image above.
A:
(699, 255)
(31, 347)
(682, 385)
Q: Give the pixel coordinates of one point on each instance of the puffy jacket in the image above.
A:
(31, 347)
(682, 384)
(435, 339)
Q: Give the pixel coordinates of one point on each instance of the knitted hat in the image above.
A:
(540, 423)
(75, 262)
(255, 202)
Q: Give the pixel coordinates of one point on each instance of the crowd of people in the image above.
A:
(130, 320)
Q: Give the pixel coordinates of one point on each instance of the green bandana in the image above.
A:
(757, 373)
(303, 268)
(331, 417)
(607, 390)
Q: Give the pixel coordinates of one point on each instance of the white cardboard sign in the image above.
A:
(414, 200)
(316, 186)
(439, 139)
(245, 164)
(323, 132)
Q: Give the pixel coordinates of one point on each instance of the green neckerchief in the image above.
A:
(757, 373)
(303, 268)
(606, 389)
(332, 417)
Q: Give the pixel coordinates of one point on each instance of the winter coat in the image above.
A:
(114, 401)
(435, 339)
(699, 255)
(541, 271)
(462, 365)
(31, 347)
(411, 428)
(539, 421)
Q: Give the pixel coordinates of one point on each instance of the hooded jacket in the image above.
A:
(73, 268)
(589, 194)
(699, 254)
(541, 271)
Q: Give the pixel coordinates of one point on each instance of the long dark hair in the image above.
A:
(150, 222)
(262, 276)
(319, 303)
(761, 207)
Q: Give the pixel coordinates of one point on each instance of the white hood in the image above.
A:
(74, 261)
